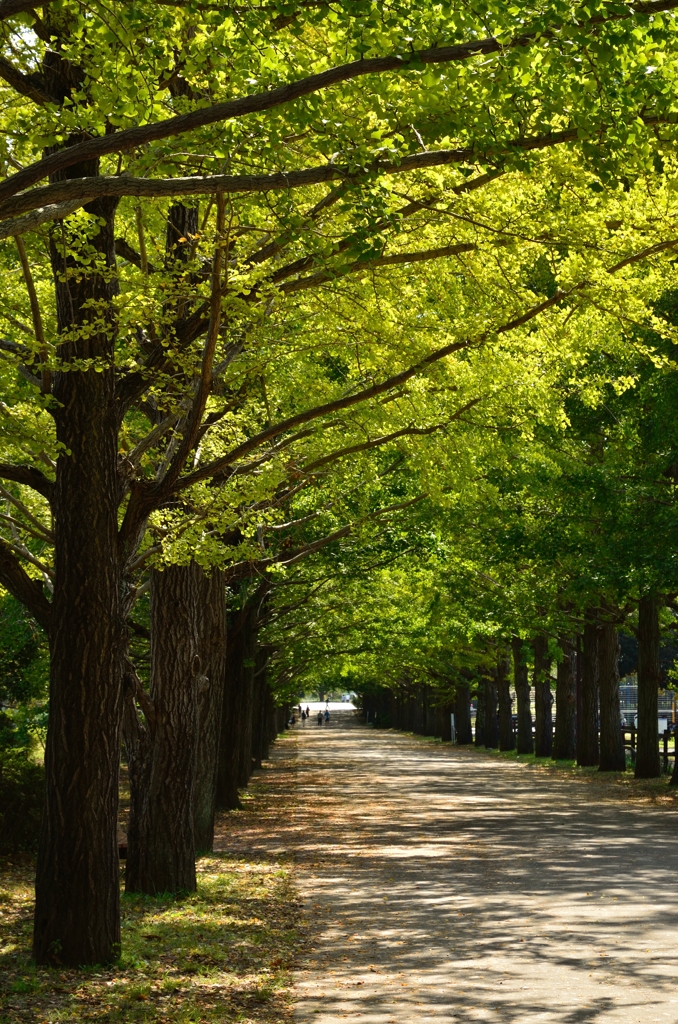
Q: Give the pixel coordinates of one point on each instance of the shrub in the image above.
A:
(22, 794)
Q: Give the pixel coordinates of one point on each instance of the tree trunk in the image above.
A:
(160, 840)
(543, 732)
(212, 641)
(77, 912)
(506, 737)
(648, 765)
(587, 737)
(566, 702)
(462, 713)
(238, 679)
(261, 696)
(612, 757)
(480, 716)
(524, 743)
(491, 721)
(247, 701)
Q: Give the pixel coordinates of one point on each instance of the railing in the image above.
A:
(664, 740)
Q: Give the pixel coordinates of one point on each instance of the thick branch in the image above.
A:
(119, 186)
(28, 85)
(20, 225)
(125, 251)
(141, 135)
(46, 380)
(243, 570)
(8, 8)
(204, 386)
(29, 476)
(16, 580)
(379, 442)
(320, 410)
(313, 280)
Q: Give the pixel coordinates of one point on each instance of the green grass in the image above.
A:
(221, 954)
(621, 784)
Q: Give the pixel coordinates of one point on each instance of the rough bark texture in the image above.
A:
(566, 702)
(239, 651)
(260, 708)
(648, 765)
(543, 732)
(587, 736)
(212, 648)
(445, 731)
(462, 713)
(612, 757)
(160, 840)
(524, 744)
(77, 917)
(506, 737)
(480, 716)
(246, 712)
(491, 719)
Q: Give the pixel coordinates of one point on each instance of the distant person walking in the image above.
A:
(303, 718)
(320, 718)
(327, 716)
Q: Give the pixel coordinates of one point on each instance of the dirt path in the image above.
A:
(442, 886)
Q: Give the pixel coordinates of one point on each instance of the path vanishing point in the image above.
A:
(443, 886)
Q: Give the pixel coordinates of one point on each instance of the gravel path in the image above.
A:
(440, 885)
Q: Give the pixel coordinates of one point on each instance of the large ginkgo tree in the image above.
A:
(317, 131)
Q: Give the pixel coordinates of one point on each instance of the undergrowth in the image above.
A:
(223, 953)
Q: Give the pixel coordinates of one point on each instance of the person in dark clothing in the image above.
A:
(320, 718)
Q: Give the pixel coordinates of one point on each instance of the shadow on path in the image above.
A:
(442, 886)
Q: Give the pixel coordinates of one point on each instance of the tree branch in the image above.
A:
(378, 442)
(20, 225)
(8, 8)
(125, 251)
(195, 415)
(320, 410)
(23, 587)
(243, 570)
(45, 531)
(313, 280)
(46, 377)
(141, 135)
(29, 476)
(28, 85)
(119, 186)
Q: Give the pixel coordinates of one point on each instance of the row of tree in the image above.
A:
(300, 335)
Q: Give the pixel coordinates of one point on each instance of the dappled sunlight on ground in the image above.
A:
(443, 885)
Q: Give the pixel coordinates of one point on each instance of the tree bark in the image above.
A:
(261, 701)
(160, 840)
(524, 744)
(77, 913)
(238, 678)
(506, 737)
(612, 757)
(491, 720)
(246, 712)
(543, 732)
(648, 764)
(566, 702)
(212, 647)
(587, 737)
(462, 713)
(480, 716)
